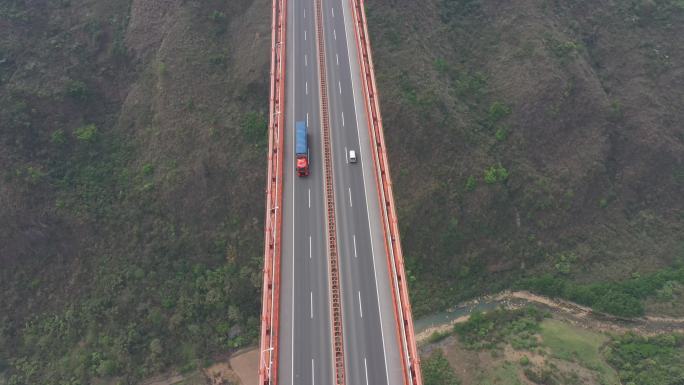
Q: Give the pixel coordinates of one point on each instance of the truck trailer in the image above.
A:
(301, 149)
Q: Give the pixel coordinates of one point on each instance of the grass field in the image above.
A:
(505, 374)
(573, 344)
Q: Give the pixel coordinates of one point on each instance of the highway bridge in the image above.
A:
(335, 304)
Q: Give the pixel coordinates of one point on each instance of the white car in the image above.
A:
(352, 156)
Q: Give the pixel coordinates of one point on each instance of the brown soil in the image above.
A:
(239, 370)
(222, 373)
(246, 365)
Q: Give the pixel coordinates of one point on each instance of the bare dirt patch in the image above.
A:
(222, 374)
(246, 365)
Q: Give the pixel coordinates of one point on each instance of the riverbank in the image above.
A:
(576, 314)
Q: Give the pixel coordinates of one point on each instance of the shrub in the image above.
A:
(147, 169)
(471, 183)
(58, 137)
(471, 87)
(437, 371)
(616, 112)
(501, 134)
(190, 104)
(546, 284)
(563, 50)
(219, 20)
(441, 65)
(564, 262)
(437, 336)
(86, 133)
(77, 90)
(524, 361)
(217, 16)
(495, 174)
(106, 368)
(218, 60)
(498, 111)
(254, 127)
(619, 303)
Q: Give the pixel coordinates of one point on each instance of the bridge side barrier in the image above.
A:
(402, 305)
(268, 357)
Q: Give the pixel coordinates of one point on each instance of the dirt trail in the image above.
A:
(572, 312)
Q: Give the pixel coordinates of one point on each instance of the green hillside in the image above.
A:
(132, 145)
(532, 136)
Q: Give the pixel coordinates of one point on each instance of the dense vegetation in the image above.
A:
(622, 298)
(489, 330)
(132, 141)
(531, 136)
(641, 360)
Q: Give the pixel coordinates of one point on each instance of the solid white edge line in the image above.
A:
(365, 188)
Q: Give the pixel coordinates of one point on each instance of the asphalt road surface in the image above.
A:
(371, 338)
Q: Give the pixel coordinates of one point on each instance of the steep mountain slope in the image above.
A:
(532, 136)
(132, 146)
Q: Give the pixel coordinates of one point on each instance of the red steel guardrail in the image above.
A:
(402, 305)
(268, 357)
(333, 257)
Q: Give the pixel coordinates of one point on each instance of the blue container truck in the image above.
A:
(301, 149)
